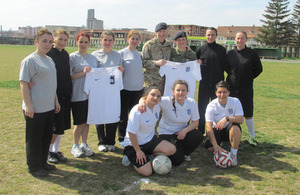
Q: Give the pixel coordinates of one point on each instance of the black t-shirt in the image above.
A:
(213, 58)
(62, 65)
(244, 66)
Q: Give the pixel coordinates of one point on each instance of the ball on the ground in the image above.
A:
(161, 164)
(223, 159)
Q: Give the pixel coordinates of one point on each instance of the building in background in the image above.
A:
(190, 29)
(226, 35)
(28, 31)
(120, 37)
(72, 30)
(92, 22)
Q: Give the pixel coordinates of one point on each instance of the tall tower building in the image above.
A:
(92, 22)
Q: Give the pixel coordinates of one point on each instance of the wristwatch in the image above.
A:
(227, 118)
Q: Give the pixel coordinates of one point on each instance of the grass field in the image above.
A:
(271, 168)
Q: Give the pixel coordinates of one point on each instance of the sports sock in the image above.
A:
(250, 125)
(51, 148)
(56, 144)
(233, 151)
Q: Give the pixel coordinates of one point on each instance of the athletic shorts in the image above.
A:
(147, 148)
(221, 135)
(62, 120)
(80, 112)
(246, 98)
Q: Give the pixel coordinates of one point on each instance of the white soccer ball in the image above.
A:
(223, 159)
(161, 164)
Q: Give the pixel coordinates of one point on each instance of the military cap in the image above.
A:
(160, 26)
(179, 35)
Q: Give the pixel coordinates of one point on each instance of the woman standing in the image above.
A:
(62, 120)
(81, 63)
(244, 67)
(213, 58)
(107, 58)
(182, 53)
(39, 102)
(133, 79)
(140, 140)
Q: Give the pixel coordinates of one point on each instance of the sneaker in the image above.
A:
(52, 158)
(60, 157)
(86, 150)
(102, 148)
(187, 158)
(111, 148)
(234, 160)
(40, 173)
(125, 161)
(76, 151)
(122, 143)
(252, 141)
(49, 167)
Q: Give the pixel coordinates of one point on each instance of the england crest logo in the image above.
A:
(156, 115)
(189, 111)
(187, 69)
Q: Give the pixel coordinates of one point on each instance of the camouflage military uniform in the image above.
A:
(177, 56)
(154, 50)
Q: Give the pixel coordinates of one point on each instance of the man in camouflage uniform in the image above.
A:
(182, 53)
(154, 54)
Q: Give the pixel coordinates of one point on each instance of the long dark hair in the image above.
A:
(178, 82)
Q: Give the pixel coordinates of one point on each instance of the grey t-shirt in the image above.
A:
(133, 76)
(77, 64)
(41, 71)
(110, 59)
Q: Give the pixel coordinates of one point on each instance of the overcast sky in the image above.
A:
(132, 13)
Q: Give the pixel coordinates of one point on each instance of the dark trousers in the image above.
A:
(106, 133)
(39, 130)
(128, 100)
(183, 147)
(205, 94)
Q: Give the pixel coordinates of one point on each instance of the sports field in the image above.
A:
(271, 168)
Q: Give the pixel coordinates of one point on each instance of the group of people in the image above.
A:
(53, 83)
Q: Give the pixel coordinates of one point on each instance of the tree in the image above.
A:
(278, 29)
(296, 21)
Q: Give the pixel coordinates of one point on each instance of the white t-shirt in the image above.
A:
(189, 71)
(172, 122)
(103, 86)
(215, 111)
(142, 124)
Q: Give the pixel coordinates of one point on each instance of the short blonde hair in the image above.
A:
(41, 32)
(109, 33)
(61, 31)
(131, 32)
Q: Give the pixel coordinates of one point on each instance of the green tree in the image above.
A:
(277, 29)
(296, 21)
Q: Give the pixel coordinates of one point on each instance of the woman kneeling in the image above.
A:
(140, 142)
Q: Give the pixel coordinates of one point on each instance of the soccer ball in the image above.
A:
(223, 159)
(161, 164)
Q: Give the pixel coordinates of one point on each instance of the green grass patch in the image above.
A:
(10, 84)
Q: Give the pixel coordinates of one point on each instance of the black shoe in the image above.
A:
(40, 173)
(60, 157)
(49, 167)
(52, 158)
